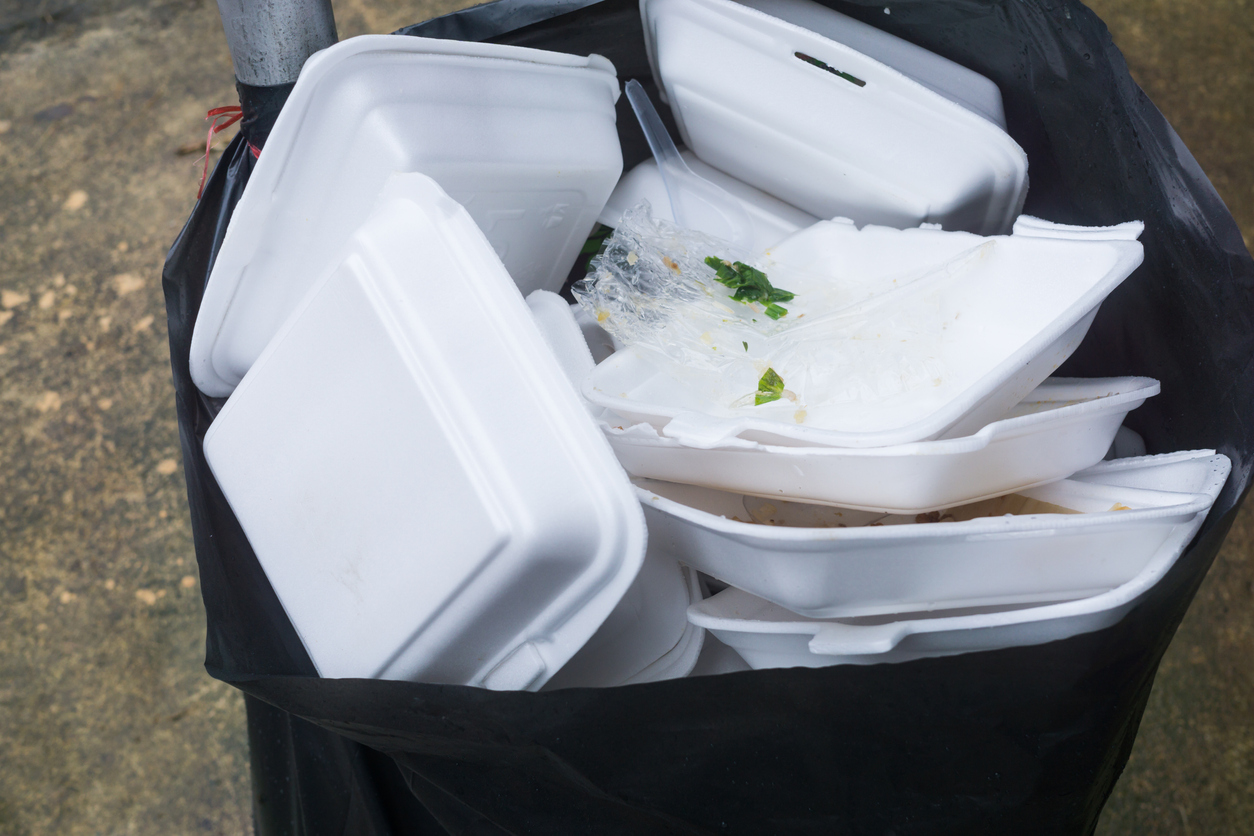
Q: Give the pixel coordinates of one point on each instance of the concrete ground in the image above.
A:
(108, 723)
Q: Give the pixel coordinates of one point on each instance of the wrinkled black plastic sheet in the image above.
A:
(1025, 740)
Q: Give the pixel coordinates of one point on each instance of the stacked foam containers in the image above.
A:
(446, 483)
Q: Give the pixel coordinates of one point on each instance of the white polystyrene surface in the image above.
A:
(769, 636)
(717, 658)
(562, 333)
(680, 660)
(884, 565)
(772, 220)
(995, 326)
(524, 139)
(953, 81)
(418, 479)
(1026, 225)
(647, 623)
(889, 152)
(647, 637)
(1064, 425)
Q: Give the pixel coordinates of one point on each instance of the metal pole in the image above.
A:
(270, 39)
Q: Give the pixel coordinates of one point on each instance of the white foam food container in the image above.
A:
(525, 139)
(420, 482)
(1064, 425)
(717, 658)
(825, 127)
(1008, 314)
(953, 81)
(769, 636)
(770, 219)
(1070, 539)
(647, 638)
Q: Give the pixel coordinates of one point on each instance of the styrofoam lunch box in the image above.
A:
(769, 636)
(425, 491)
(955, 82)
(771, 219)
(825, 127)
(1011, 308)
(525, 139)
(1069, 539)
(1064, 425)
(647, 638)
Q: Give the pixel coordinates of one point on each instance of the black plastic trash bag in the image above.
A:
(1024, 740)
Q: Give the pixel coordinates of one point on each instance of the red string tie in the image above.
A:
(230, 114)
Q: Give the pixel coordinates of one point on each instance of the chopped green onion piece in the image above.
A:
(771, 382)
(750, 284)
(770, 388)
(746, 345)
(595, 239)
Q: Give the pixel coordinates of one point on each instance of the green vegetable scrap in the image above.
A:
(823, 65)
(770, 388)
(751, 285)
(596, 239)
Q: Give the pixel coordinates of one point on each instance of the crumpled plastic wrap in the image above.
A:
(650, 287)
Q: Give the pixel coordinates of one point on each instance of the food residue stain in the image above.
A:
(934, 516)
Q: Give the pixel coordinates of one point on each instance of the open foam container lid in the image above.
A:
(1001, 314)
(525, 139)
(425, 491)
(825, 127)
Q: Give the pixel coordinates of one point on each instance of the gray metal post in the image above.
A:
(270, 39)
